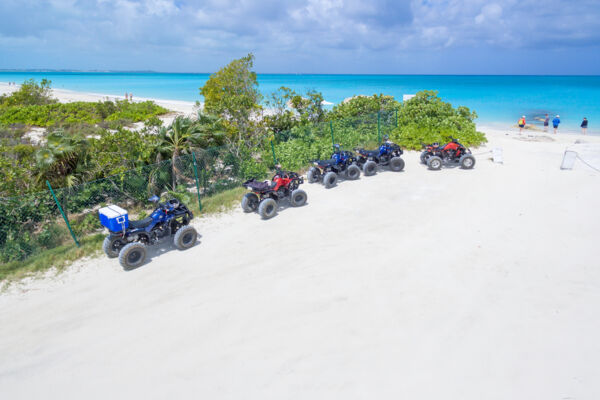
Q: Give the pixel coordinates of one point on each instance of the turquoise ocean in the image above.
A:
(496, 99)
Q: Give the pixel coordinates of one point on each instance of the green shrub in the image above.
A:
(16, 247)
(30, 93)
(360, 106)
(182, 194)
(67, 114)
(426, 118)
(88, 223)
(252, 168)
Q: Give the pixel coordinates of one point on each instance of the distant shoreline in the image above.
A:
(189, 107)
(108, 71)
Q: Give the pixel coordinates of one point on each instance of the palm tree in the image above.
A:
(211, 129)
(179, 138)
(61, 158)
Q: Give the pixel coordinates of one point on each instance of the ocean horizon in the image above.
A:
(497, 99)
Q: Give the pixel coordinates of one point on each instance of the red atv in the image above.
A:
(265, 195)
(453, 153)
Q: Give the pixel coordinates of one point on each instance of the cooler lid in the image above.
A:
(112, 211)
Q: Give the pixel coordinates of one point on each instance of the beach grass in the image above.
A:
(59, 257)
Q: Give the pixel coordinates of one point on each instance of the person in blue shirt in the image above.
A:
(584, 125)
(555, 123)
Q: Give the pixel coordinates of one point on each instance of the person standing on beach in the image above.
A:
(584, 124)
(521, 124)
(130, 96)
(546, 123)
(555, 123)
(126, 96)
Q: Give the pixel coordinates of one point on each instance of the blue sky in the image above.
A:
(311, 36)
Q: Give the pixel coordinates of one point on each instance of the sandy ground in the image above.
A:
(480, 284)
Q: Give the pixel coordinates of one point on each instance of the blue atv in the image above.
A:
(388, 154)
(327, 171)
(128, 239)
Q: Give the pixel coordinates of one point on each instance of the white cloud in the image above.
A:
(490, 13)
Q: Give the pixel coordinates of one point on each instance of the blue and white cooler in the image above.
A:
(114, 218)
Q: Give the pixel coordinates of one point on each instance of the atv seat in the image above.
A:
(368, 153)
(260, 186)
(326, 163)
(141, 223)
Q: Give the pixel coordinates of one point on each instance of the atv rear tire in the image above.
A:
(313, 175)
(434, 163)
(185, 237)
(250, 202)
(132, 255)
(112, 246)
(353, 172)
(467, 161)
(267, 208)
(370, 168)
(424, 157)
(298, 198)
(396, 164)
(330, 179)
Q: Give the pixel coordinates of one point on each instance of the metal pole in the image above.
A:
(273, 151)
(396, 112)
(63, 214)
(379, 126)
(197, 183)
(332, 139)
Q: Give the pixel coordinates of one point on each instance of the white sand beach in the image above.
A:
(68, 96)
(455, 284)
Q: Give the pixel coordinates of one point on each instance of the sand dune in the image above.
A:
(455, 284)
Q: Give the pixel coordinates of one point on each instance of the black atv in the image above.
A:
(388, 154)
(265, 195)
(451, 154)
(341, 163)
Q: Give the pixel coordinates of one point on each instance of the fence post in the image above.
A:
(197, 182)
(332, 139)
(273, 150)
(63, 214)
(379, 126)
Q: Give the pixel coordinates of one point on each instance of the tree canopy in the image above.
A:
(232, 93)
(233, 90)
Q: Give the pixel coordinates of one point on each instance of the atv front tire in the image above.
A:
(330, 179)
(250, 202)
(298, 198)
(396, 164)
(353, 172)
(185, 237)
(267, 208)
(313, 175)
(370, 168)
(112, 246)
(434, 163)
(132, 255)
(467, 161)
